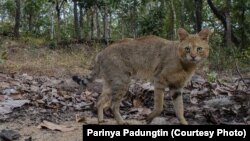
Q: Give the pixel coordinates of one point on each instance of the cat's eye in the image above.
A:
(199, 49)
(187, 49)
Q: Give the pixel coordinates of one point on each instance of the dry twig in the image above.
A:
(238, 71)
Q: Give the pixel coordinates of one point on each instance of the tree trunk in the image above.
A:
(58, 14)
(76, 21)
(59, 5)
(17, 18)
(122, 30)
(89, 24)
(228, 24)
(30, 22)
(52, 25)
(173, 19)
(58, 32)
(93, 23)
(105, 24)
(182, 14)
(134, 19)
(81, 21)
(97, 21)
(198, 15)
(110, 25)
(242, 25)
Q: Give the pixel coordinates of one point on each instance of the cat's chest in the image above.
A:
(178, 79)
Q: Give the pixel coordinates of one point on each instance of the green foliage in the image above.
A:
(244, 56)
(6, 28)
(9, 5)
(52, 44)
(153, 22)
(3, 52)
(1, 61)
(32, 6)
(212, 76)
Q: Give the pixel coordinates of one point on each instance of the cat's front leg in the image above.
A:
(158, 103)
(178, 105)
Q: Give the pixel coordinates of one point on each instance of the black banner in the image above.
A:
(169, 132)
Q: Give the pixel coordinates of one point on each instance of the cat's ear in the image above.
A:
(182, 33)
(205, 33)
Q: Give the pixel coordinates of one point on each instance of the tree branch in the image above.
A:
(221, 16)
(61, 4)
(241, 77)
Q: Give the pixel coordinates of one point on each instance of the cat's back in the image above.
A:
(142, 45)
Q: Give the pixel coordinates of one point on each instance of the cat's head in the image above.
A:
(193, 48)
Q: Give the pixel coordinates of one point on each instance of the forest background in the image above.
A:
(64, 23)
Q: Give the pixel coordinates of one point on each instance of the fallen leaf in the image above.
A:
(194, 92)
(54, 92)
(193, 100)
(137, 103)
(223, 91)
(138, 113)
(40, 101)
(145, 111)
(203, 91)
(81, 105)
(148, 86)
(211, 117)
(15, 83)
(2, 97)
(87, 93)
(80, 118)
(193, 95)
(53, 126)
(27, 77)
(16, 96)
(34, 88)
(4, 85)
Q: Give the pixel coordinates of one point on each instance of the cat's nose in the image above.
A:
(193, 56)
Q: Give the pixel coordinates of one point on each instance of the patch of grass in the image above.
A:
(33, 41)
(41, 60)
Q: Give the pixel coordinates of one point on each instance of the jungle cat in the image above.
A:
(163, 62)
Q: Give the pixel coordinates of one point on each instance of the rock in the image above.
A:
(198, 79)
(7, 106)
(219, 102)
(9, 135)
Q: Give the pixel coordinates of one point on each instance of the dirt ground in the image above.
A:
(31, 131)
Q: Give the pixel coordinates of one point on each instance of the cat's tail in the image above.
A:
(83, 82)
(88, 78)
